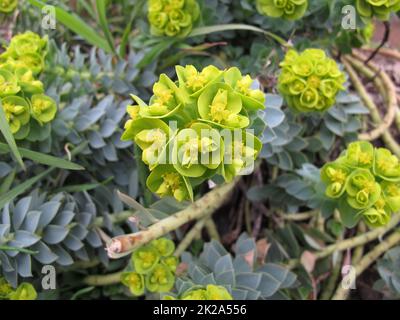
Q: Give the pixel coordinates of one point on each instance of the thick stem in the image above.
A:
(369, 103)
(123, 245)
(103, 280)
(352, 242)
(212, 229)
(331, 285)
(369, 259)
(189, 237)
(390, 53)
(389, 97)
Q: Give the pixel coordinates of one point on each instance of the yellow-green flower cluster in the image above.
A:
(287, 9)
(25, 291)
(310, 81)
(210, 292)
(365, 181)
(380, 9)
(154, 268)
(8, 6)
(21, 93)
(172, 18)
(210, 109)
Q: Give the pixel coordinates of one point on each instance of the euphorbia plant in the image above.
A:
(377, 8)
(21, 93)
(153, 267)
(287, 9)
(310, 81)
(196, 128)
(365, 183)
(172, 18)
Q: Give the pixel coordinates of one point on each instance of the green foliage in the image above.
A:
(200, 105)
(172, 18)
(310, 81)
(365, 183)
(153, 267)
(40, 229)
(243, 275)
(287, 9)
(388, 268)
(379, 9)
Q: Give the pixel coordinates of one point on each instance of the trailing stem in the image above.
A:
(369, 259)
(352, 242)
(123, 245)
(389, 96)
(382, 127)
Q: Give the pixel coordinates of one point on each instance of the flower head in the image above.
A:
(145, 259)
(380, 9)
(310, 81)
(160, 279)
(365, 181)
(134, 281)
(7, 6)
(25, 291)
(286, 9)
(17, 114)
(172, 18)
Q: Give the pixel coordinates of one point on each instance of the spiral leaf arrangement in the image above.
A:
(211, 110)
(377, 8)
(172, 18)
(154, 268)
(22, 95)
(366, 183)
(310, 81)
(287, 9)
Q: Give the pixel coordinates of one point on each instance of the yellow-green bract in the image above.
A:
(380, 9)
(21, 93)
(195, 128)
(153, 266)
(210, 292)
(7, 6)
(172, 18)
(25, 291)
(310, 81)
(287, 9)
(366, 183)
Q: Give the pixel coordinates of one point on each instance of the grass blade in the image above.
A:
(83, 187)
(7, 182)
(78, 26)
(101, 11)
(44, 158)
(156, 51)
(236, 26)
(21, 188)
(6, 131)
